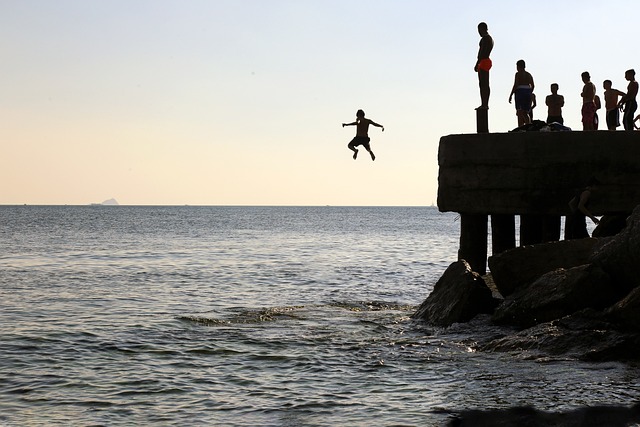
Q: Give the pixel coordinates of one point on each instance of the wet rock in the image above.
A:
(585, 335)
(619, 256)
(626, 312)
(557, 294)
(521, 266)
(458, 296)
(593, 416)
(610, 225)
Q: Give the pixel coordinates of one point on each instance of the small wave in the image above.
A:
(372, 306)
(248, 316)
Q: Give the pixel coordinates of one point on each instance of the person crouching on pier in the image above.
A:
(575, 226)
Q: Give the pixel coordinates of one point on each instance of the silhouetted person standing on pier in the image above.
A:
(588, 102)
(523, 90)
(483, 64)
(629, 100)
(554, 102)
(362, 134)
(611, 104)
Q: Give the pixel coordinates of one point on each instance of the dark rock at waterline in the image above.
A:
(585, 335)
(610, 225)
(458, 296)
(557, 294)
(626, 312)
(525, 416)
(619, 256)
(518, 267)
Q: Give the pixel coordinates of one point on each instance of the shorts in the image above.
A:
(588, 112)
(613, 118)
(523, 98)
(484, 64)
(360, 140)
(555, 119)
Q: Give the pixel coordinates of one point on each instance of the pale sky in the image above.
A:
(240, 102)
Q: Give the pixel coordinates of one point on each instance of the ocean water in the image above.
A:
(252, 316)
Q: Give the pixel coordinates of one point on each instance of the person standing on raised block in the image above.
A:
(483, 65)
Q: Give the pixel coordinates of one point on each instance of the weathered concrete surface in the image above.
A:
(537, 172)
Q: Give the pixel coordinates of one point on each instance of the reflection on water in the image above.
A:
(252, 316)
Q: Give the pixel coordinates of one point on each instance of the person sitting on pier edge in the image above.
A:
(522, 89)
(575, 226)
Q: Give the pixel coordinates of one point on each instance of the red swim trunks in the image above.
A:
(484, 64)
(588, 112)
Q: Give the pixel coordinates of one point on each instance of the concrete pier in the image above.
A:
(534, 175)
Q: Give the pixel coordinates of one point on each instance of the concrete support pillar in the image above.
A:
(473, 241)
(536, 229)
(482, 120)
(551, 228)
(503, 233)
(531, 229)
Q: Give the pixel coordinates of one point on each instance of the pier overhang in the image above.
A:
(538, 172)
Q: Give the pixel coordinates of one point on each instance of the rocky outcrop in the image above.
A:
(610, 225)
(529, 416)
(557, 294)
(585, 335)
(458, 296)
(619, 256)
(578, 298)
(515, 268)
(626, 313)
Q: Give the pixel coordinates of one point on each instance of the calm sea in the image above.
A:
(251, 316)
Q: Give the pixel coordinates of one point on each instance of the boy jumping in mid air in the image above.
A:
(362, 134)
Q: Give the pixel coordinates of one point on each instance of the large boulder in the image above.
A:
(458, 296)
(585, 335)
(610, 225)
(556, 294)
(619, 256)
(626, 312)
(518, 267)
(594, 416)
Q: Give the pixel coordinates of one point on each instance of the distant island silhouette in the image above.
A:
(109, 202)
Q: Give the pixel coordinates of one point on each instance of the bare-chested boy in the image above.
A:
(522, 89)
(362, 134)
(483, 65)
(611, 104)
(629, 100)
(554, 102)
(588, 102)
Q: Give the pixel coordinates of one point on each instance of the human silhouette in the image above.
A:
(596, 119)
(483, 64)
(611, 104)
(522, 89)
(588, 102)
(629, 100)
(554, 103)
(575, 223)
(362, 134)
